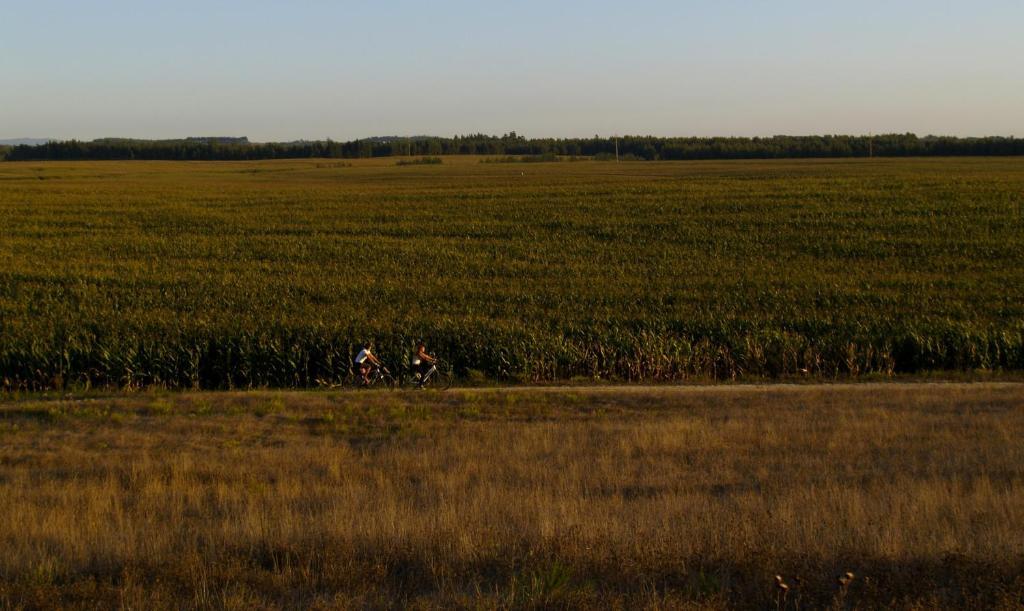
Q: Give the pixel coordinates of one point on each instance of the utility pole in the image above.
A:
(616, 149)
(871, 145)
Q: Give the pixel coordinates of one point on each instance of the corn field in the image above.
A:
(252, 274)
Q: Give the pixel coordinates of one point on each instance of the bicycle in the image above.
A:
(378, 376)
(439, 376)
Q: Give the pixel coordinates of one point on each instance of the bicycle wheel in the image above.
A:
(443, 378)
(387, 380)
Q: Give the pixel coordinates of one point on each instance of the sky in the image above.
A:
(314, 69)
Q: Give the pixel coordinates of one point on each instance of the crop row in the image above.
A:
(305, 357)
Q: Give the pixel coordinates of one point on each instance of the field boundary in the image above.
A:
(612, 389)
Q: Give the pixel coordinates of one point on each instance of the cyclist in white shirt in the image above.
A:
(365, 361)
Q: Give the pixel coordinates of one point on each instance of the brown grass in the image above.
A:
(652, 498)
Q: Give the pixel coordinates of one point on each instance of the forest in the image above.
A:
(630, 148)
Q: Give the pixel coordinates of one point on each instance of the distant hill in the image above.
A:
(373, 139)
(219, 139)
(385, 139)
(28, 141)
(190, 139)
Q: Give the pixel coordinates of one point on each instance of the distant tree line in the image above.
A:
(629, 147)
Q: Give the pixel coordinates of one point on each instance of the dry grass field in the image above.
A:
(572, 498)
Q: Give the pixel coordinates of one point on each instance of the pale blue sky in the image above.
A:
(275, 70)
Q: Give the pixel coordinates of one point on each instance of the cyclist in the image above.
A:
(366, 361)
(422, 363)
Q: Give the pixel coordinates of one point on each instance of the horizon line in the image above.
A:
(511, 133)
